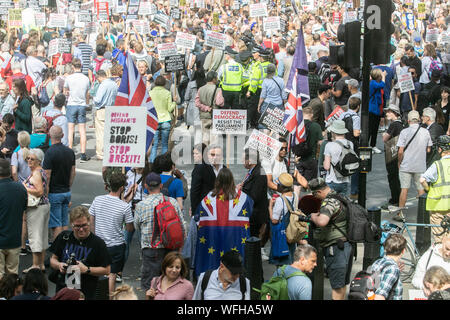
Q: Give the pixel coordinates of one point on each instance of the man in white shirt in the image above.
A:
(32, 66)
(58, 117)
(77, 88)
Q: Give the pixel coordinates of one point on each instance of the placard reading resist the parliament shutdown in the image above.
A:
(125, 136)
(229, 121)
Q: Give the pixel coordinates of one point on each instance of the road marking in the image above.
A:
(89, 172)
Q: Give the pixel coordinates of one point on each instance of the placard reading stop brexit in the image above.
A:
(124, 138)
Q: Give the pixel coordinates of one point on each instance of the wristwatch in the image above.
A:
(88, 271)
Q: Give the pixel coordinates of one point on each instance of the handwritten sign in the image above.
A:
(125, 136)
(405, 82)
(267, 147)
(229, 121)
(185, 40)
(215, 39)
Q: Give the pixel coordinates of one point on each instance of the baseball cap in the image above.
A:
(232, 260)
(413, 115)
(317, 184)
(153, 179)
(393, 108)
(352, 82)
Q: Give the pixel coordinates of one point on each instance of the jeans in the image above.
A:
(354, 183)
(163, 131)
(341, 188)
(59, 208)
(128, 238)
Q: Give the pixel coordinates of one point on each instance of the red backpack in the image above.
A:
(50, 120)
(167, 224)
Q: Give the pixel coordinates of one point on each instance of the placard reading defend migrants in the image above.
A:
(272, 118)
(174, 63)
(215, 39)
(268, 147)
(229, 121)
(125, 136)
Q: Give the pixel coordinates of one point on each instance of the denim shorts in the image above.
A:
(59, 209)
(117, 254)
(76, 114)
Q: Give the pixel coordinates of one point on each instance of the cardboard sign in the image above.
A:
(258, 10)
(215, 39)
(272, 118)
(185, 40)
(405, 82)
(57, 20)
(167, 50)
(15, 18)
(267, 147)
(229, 121)
(272, 23)
(125, 136)
(432, 35)
(39, 19)
(174, 63)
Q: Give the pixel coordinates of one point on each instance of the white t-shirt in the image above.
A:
(280, 208)
(78, 85)
(334, 149)
(60, 121)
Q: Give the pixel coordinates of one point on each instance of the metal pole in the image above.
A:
(372, 249)
(423, 234)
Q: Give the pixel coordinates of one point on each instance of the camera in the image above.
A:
(304, 218)
(71, 261)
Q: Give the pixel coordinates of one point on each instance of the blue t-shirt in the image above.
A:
(175, 188)
(299, 287)
(36, 139)
(387, 82)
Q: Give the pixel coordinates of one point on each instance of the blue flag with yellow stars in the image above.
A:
(224, 225)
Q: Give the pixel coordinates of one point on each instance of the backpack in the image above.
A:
(167, 224)
(205, 281)
(348, 163)
(302, 149)
(359, 227)
(276, 288)
(348, 119)
(166, 186)
(324, 70)
(435, 65)
(43, 97)
(296, 229)
(365, 283)
(50, 120)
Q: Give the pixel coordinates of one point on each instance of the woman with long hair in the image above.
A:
(35, 286)
(22, 108)
(442, 108)
(429, 54)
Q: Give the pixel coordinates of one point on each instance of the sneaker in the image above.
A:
(376, 150)
(84, 158)
(118, 278)
(399, 217)
(23, 252)
(264, 257)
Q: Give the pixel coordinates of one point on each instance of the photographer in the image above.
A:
(337, 250)
(91, 255)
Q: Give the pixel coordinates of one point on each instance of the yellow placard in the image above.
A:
(15, 18)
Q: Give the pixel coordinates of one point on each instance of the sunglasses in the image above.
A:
(284, 148)
(30, 159)
(82, 226)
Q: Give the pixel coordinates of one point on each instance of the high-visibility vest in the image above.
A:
(438, 198)
(246, 74)
(232, 77)
(259, 73)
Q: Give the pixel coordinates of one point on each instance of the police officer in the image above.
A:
(330, 219)
(230, 76)
(436, 180)
(246, 60)
(258, 74)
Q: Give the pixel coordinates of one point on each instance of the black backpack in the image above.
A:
(359, 227)
(166, 186)
(205, 281)
(365, 282)
(349, 161)
(302, 149)
(348, 119)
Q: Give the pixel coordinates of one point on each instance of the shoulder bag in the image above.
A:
(280, 246)
(33, 201)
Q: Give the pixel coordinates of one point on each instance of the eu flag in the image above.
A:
(224, 225)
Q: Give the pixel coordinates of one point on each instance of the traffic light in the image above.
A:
(336, 55)
(379, 30)
(350, 35)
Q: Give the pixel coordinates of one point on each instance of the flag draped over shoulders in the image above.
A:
(224, 225)
(132, 92)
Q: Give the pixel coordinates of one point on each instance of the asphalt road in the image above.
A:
(88, 184)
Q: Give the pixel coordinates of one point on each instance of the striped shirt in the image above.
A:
(389, 279)
(110, 213)
(84, 53)
(144, 217)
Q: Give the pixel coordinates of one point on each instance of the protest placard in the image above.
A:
(175, 13)
(15, 18)
(421, 15)
(43, 3)
(229, 121)
(57, 20)
(405, 82)
(173, 3)
(215, 39)
(39, 18)
(142, 26)
(87, 6)
(334, 116)
(52, 47)
(34, 4)
(102, 11)
(74, 6)
(267, 147)
(167, 50)
(145, 8)
(272, 23)
(258, 10)
(174, 63)
(162, 19)
(90, 27)
(64, 45)
(125, 136)
(432, 35)
(307, 5)
(272, 118)
(84, 16)
(236, 5)
(185, 40)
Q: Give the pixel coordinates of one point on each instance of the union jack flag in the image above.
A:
(132, 92)
(298, 89)
(224, 225)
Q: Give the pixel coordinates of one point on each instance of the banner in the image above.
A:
(185, 40)
(405, 82)
(125, 136)
(258, 10)
(271, 23)
(167, 50)
(229, 121)
(57, 20)
(272, 118)
(174, 63)
(215, 39)
(267, 147)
